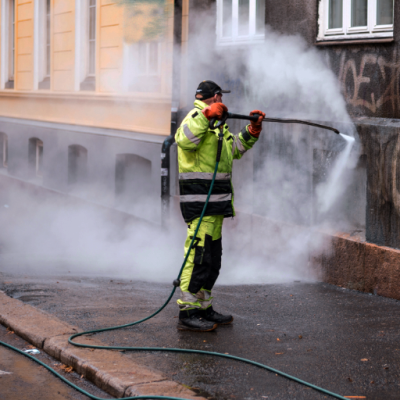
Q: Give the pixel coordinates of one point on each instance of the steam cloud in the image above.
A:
(281, 76)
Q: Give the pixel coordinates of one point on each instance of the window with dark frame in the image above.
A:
(77, 166)
(4, 149)
(39, 158)
(35, 157)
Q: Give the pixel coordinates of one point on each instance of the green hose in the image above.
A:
(173, 350)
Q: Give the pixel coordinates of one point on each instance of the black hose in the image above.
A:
(255, 117)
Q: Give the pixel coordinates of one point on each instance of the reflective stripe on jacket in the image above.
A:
(197, 152)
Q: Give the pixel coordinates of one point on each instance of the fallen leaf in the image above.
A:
(300, 337)
(65, 368)
(372, 382)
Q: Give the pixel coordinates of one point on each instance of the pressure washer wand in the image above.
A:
(229, 115)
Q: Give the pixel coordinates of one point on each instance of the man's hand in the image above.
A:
(214, 111)
(256, 126)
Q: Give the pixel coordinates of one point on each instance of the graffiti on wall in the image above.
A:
(371, 81)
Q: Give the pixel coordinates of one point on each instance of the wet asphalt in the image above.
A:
(344, 341)
(23, 379)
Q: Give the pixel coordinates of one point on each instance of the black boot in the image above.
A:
(192, 320)
(210, 315)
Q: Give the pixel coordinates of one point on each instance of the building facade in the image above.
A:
(359, 41)
(85, 95)
(89, 90)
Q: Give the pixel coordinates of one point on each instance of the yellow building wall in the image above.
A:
(24, 45)
(109, 46)
(62, 45)
(109, 106)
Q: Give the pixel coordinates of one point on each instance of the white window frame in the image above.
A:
(252, 37)
(129, 54)
(41, 43)
(147, 71)
(7, 53)
(82, 16)
(93, 74)
(347, 32)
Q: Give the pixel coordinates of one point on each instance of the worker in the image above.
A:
(197, 150)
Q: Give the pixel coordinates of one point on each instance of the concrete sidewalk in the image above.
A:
(342, 340)
(109, 370)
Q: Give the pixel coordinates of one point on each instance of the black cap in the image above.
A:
(208, 89)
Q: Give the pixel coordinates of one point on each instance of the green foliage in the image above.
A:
(157, 25)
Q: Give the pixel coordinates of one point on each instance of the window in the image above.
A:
(45, 40)
(143, 67)
(36, 156)
(355, 19)
(4, 150)
(77, 166)
(89, 46)
(240, 21)
(133, 185)
(92, 37)
(8, 43)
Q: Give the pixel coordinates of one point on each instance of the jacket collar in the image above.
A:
(200, 104)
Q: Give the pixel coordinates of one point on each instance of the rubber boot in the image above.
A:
(210, 315)
(192, 320)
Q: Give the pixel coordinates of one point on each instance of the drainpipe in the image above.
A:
(170, 140)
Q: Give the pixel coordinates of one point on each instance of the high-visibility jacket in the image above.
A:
(197, 152)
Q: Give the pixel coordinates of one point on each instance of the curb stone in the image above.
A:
(111, 371)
